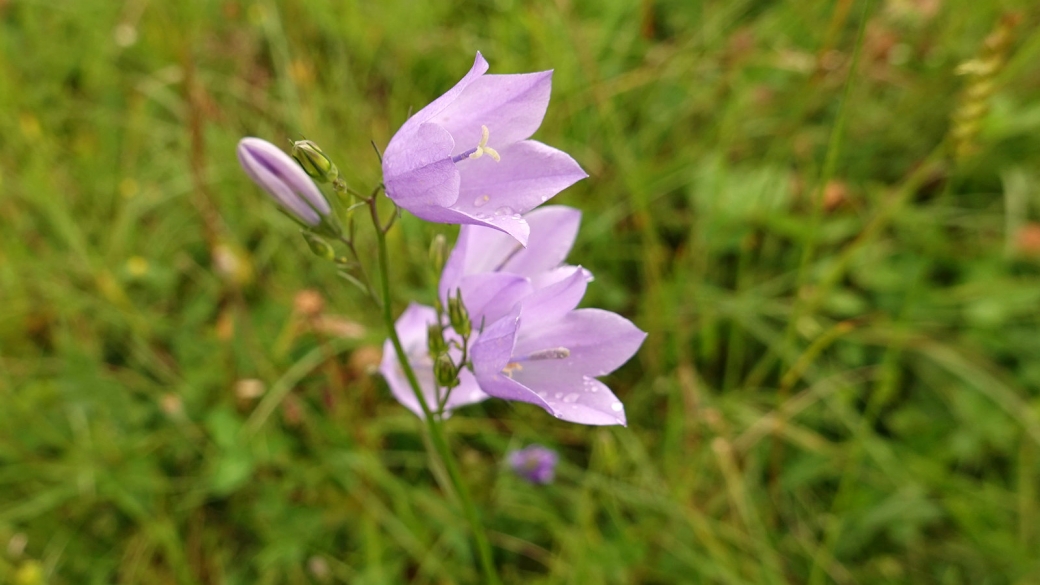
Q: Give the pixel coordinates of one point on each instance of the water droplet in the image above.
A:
(545, 198)
(515, 216)
(616, 407)
(504, 210)
(480, 201)
(482, 216)
(557, 395)
(572, 397)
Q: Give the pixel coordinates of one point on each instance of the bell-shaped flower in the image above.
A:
(283, 179)
(466, 158)
(493, 271)
(548, 353)
(412, 328)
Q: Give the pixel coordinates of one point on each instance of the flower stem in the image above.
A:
(433, 421)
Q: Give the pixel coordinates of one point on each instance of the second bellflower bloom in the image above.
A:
(466, 158)
(278, 174)
(493, 271)
(412, 328)
(546, 352)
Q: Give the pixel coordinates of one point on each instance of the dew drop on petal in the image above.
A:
(480, 201)
(572, 397)
(504, 210)
(616, 407)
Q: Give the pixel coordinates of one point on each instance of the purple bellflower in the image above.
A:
(493, 273)
(466, 158)
(412, 328)
(535, 463)
(546, 352)
(283, 179)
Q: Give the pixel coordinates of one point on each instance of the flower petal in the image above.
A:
(422, 175)
(511, 106)
(551, 303)
(480, 66)
(412, 329)
(478, 249)
(490, 296)
(528, 174)
(578, 399)
(598, 342)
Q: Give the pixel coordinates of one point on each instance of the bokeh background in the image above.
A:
(825, 214)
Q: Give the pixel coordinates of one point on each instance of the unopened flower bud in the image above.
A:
(438, 248)
(283, 179)
(435, 340)
(320, 247)
(458, 316)
(446, 372)
(314, 161)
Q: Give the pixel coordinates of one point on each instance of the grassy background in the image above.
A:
(841, 379)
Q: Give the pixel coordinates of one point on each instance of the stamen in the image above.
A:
(481, 149)
(510, 368)
(555, 353)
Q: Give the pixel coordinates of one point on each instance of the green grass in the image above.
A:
(842, 378)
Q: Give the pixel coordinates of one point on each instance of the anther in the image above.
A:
(556, 353)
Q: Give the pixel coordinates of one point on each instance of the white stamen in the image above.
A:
(555, 353)
(483, 148)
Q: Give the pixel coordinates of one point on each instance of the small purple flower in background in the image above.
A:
(535, 463)
(466, 158)
(548, 353)
(412, 327)
(282, 178)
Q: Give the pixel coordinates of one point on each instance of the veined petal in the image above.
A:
(597, 341)
(571, 396)
(412, 327)
(490, 296)
(553, 230)
(511, 106)
(552, 302)
(422, 175)
(491, 352)
(480, 66)
(528, 174)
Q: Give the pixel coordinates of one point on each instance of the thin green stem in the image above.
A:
(433, 421)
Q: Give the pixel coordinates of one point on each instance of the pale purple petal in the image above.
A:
(423, 174)
(412, 330)
(580, 399)
(511, 106)
(552, 302)
(491, 352)
(555, 275)
(597, 341)
(480, 66)
(491, 295)
(528, 174)
(553, 230)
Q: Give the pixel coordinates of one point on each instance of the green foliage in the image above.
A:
(840, 383)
